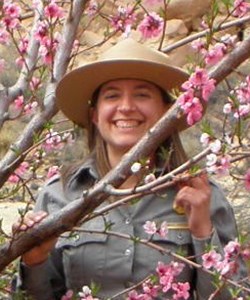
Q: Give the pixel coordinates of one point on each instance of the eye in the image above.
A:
(143, 95)
(111, 95)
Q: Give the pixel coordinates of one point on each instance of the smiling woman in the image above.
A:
(126, 109)
(118, 99)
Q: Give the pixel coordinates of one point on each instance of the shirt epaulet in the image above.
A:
(53, 179)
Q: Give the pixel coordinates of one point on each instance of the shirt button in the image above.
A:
(127, 221)
(127, 252)
(75, 237)
(180, 236)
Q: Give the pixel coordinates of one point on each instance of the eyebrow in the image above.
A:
(137, 87)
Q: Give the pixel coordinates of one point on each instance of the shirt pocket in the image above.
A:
(178, 238)
(84, 257)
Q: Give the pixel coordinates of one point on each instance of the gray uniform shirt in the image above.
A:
(114, 263)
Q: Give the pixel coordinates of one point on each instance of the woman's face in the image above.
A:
(125, 110)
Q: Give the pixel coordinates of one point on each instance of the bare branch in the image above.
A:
(36, 124)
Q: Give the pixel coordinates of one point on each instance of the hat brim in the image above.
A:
(75, 90)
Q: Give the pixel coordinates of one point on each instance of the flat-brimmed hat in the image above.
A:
(128, 59)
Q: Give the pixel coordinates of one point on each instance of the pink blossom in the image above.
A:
(199, 77)
(12, 10)
(204, 24)
(20, 61)
(241, 7)
(181, 290)
(10, 23)
(150, 227)
(224, 267)
(227, 109)
(232, 249)
(133, 295)
(208, 89)
(200, 81)
(86, 294)
(205, 139)
(23, 45)
(243, 91)
(13, 179)
(150, 289)
(52, 10)
(4, 36)
(198, 45)
(42, 31)
(214, 55)
(30, 108)
(215, 146)
(246, 254)
(48, 49)
(191, 106)
(151, 25)
(19, 102)
(223, 165)
(211, 159)
(186, 98)
(167, 273)
(54, 170)
(35, 83)
(68, 296)
(76, 45)
(210, 259)
(243, 111)
(124, 19)
(53, 141)
(194, 113)
(163, 230)
(149, 178)
(247, 180)
(92, 8)
(166, 281)
(19, 172)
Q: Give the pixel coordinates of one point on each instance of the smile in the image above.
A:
(127, 123)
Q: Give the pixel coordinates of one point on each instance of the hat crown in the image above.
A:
(129, 49)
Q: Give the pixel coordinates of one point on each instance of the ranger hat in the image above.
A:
(128, 59)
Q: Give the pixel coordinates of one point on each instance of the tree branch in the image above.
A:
(69, 216)
(12, 158)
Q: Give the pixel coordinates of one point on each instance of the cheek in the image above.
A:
(156, 113)
(102, 114)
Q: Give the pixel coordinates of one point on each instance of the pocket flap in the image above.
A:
(177, 234)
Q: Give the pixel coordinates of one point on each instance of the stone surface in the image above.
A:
(9, 214)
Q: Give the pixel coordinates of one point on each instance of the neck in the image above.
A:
(133, 180)
(114, 159)
(115, 156)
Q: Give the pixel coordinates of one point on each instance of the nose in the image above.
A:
(126, 104)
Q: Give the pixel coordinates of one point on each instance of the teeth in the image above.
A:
(126, 123)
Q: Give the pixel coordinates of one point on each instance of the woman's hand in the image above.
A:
(195, 197)
(39, 253)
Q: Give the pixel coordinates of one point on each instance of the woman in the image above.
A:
(118, 99)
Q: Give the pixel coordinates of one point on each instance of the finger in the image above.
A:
(199, 182)
(29, 220)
